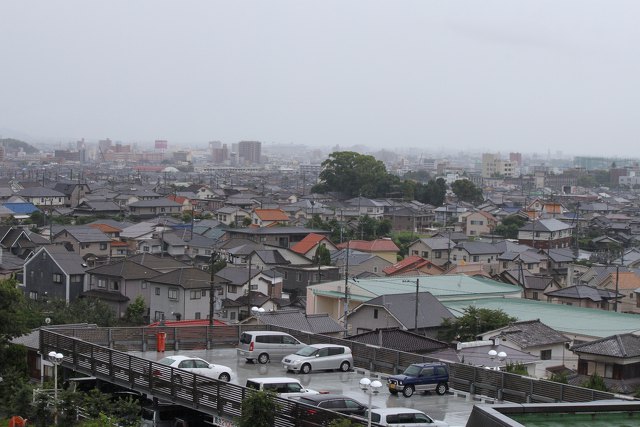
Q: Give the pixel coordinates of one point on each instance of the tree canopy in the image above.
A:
(472, 323)
(467, 191)
(355, 174)
(510, 226)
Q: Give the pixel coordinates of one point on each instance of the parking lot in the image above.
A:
(451, 408)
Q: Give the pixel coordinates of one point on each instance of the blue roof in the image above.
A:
(22, 208)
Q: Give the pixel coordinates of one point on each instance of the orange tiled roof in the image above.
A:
(378, 245)
(118, 243)
(272, 214)
(106, 228)
(306, 244)
(410, 263)
(177, 199)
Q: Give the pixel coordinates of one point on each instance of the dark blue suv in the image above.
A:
(420, 377)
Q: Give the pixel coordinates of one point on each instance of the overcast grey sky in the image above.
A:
(499, 75)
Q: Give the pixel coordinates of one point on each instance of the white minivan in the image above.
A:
(282, 386)
(319, 357)
(266, 345)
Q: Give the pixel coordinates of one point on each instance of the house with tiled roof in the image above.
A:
(385, 248)
(399, 310)
(359, 262)
(285, 237)
(53, 272)
(309, 245)
(477, 223)
(546, 234)
(120, 282)
(436, 250)
(153, 207)
(615, 358)
(584, 296)
(534, 286)
(109, 230)
(269, 217)
(537, 339)
(97, 207)
(413, 265)
(19, 241)
(43, 197)
(475, 252)
(74, 191)
(187, 206)
(90, 243)
(627, 283)
(180, 294)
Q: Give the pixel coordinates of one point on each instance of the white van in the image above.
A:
(403, 417)
(265, 345)
(283, 386)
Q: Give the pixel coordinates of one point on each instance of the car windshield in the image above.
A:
(307, 351)
(166, 361)
(412, 370)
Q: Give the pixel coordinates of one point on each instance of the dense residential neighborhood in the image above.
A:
(243, 246)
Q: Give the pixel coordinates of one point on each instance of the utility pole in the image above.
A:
(249, 288)
(212, 300)
(346, 293)
(415, 324)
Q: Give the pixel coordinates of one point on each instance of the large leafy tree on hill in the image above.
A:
(355, 174)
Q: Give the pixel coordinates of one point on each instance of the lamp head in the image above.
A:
(365, 383)
(502, 355)
(52, 354)
(493, 353)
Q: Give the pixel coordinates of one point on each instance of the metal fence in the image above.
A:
(465, 378)
(197, 392)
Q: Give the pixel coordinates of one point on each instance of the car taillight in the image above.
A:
(311, 412)
(251, 346)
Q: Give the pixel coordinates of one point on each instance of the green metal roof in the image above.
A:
(442, 287)
(564, 318)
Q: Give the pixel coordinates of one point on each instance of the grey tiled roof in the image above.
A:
(271, 257)
(162, 202)
(621, 346)
(477, 248)
(431, 312)
(583, 292)
(236, 275)
(187, 278)
(157, 262)
(70, 262)
(297, 320)
(86, 234)
(39, 192)
(125, 269)
(398, 339)
(547, 225)
(438, 243)
(531, 333)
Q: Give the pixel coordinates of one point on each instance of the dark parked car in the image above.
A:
(420, 377)
(334, 402)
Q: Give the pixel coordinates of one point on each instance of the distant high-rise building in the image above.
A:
(250, 151)
(220, 155)
(516, 158)
(493, 165)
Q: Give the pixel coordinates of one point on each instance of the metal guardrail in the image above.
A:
(498, 385)
(210, 396)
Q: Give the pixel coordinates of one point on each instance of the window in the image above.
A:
(159, 315)
(476, 258)
(57, 278)
(145, 248)
(173, 293)
(197, 315)
(375, 269)
(77, 278)
(194, 294)
(535, 296)
(505, 264)
(438, 254)
(299, 277)
(253, 287)
(157, 291)
(414, 252)
(33, 295)
(425, 254)
(224, 314)
(115, 286)
(103, 246)
(286, 275)
(196, 251)
(102, 283)
(144, 285)
(203, 293)
(232, 289)
(545, 355)
(220, 290)
(375, 313)
(232, 315)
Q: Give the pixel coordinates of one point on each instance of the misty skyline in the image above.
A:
(494, 76)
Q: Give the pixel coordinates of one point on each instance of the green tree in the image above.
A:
(595, 382)
(354, 174)
(341, 422)
(403, 239)
(473, 322)
(509, 227)
(136, 311)
(517, 368)
(323, 255)
(258, 410)
(560, 377)
(433, 192)
(466, 191)
(13, 321)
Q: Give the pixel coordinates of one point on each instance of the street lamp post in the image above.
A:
(257, 311)
(55, 359)
(371, 388)
(501, 357)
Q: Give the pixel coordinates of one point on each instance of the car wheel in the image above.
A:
(441, 389)
(263, 358)
(344, 366)
(408, 391)
(224, 377)
(177, 379)
(305, 369)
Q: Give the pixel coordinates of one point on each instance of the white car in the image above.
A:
(401, 417)
(318, 357)
(194, 365)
